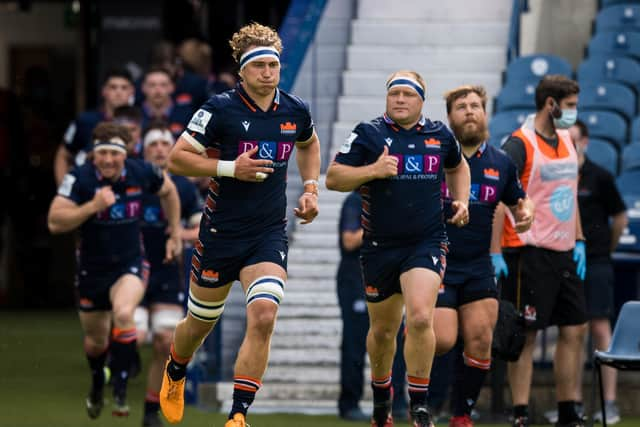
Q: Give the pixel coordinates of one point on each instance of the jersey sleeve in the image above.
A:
(200, 132)
(307, 126)
(71, 188)
(514, 147)
(513, 188)
(353, 150)
(453, 153)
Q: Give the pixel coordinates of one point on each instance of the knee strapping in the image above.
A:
(269, 288)
(207, 311)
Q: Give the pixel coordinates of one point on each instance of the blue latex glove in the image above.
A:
(580, 258)
(499, 265)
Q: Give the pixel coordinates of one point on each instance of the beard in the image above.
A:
(468, 135)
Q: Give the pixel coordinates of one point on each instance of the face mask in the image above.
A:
(566, 120)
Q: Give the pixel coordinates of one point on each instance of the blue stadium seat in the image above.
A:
(609, 3)
(608, 96)
(606, 125)
(505, 123)
(517, 94)
(631, 158)
(497, 141)
(635, 130)
(615, 43)
(604, 154)
(534, 67)
(627, 183)
(610, 68)
(623, 17)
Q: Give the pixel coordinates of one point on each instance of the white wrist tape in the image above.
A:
(226, 168)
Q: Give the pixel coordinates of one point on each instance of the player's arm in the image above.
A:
(308, 158)
(497, 260)
(170, 202)
(66, 215)
(192, 229)
(352, 239)
(618, 223)
(523, 213)
(62, 162)
(459, 183)
(341, 177)
(186, 159)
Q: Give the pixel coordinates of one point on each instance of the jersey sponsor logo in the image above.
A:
(268, 150)
(121, 211)
(418, 164)
(432, 143)
(388, 141)
(480, 193)
(184, 98)
(199, 121)
(288, 128)
(152, 214)
(561, 203)
(66, 185)
(491, 173)
(346, 146)
(245, 125)
(210, 276)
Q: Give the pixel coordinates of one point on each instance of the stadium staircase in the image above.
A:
(449, 43)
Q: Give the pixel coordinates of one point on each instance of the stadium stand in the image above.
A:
(615, 43)
(605, 124)
(504, 123)
(608, 96)
(610, 68)
(516, 95)
(533, 67)
(604, 154)
(631, 158)
(623, 17)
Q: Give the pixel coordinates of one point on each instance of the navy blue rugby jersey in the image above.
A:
(77, 137)
(176, 116)
(230, 124)
(112, 237)
(406, 207)
(493, 179)
(154, 222)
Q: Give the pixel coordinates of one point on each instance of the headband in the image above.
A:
(114, 143)
(158, 135)
(407, 82)
(260, 52)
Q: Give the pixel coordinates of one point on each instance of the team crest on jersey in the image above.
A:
(287, 128)
(199, 121)
(432, 143)
(491, 173)
(210, 276)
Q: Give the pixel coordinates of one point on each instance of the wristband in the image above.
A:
(226, 168)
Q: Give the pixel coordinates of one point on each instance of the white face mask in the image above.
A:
(567, 119)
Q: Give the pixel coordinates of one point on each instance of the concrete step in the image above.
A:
(372, 83)
(302, 356)
(311, 374)
(430, 60)
(332, 31)
(320, 299)
(314, 240)
(306, 286)
(328, 327)
(435, 11)
(316, 255)
(327, 83)
(310, 271)
(405, 33)
(309, 312)
(304, 341)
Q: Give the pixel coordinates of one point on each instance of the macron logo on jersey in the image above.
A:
(199, 121)
(245, 125)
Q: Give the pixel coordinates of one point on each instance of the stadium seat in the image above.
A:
(534, 67)
(631, 158)
(517, 94)
(604, 154)
(635, 130)
(627, 183)
(608, 96)
(624, 350)
(505, 123)
(609, 3)
(623, 17)
(615, 43)
(605, 124)
(610, 68)
(497, 141)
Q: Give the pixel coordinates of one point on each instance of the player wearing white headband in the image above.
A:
(398, 162)
(103, 199)
(249, 133)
